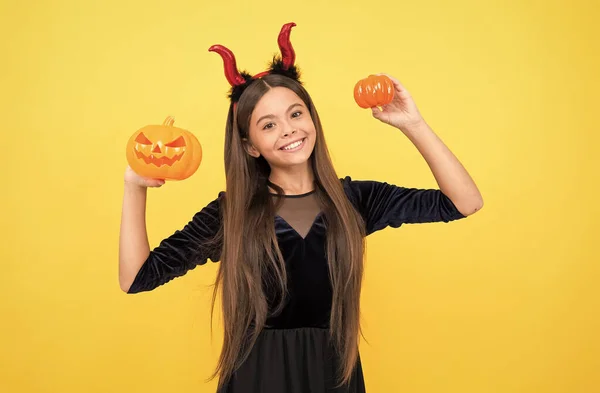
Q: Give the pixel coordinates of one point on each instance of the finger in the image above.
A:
(396, 83)
(155, 182)
(377, 113)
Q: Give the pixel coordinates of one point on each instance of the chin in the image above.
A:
(291, 162)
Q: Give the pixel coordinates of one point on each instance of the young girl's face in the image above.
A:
(281, 129)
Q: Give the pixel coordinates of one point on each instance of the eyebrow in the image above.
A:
(288, 109)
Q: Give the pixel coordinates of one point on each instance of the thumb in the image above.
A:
(155, 182)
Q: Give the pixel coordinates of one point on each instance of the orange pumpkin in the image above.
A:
(376, 90)
(164, 152)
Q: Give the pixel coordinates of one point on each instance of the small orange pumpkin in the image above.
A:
(164, 152)
(376, 90)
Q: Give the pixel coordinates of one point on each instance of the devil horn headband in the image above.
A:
(284, 65)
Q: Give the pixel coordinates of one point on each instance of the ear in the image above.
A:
(250, 149)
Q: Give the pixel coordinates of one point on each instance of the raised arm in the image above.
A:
(133, 238)
(143, 269)
(453, 179)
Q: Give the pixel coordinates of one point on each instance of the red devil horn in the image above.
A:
(285, 45)
(231, 72)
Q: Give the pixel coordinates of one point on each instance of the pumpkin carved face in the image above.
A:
(376, 90)
(164, 152)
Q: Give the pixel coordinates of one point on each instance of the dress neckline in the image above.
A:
(290, 195)
(293, 195)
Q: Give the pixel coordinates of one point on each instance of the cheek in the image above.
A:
(309, 126)
(263, 141)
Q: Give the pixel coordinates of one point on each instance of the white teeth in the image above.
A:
(293, 145)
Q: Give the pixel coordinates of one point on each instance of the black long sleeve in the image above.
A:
(182, 251)
(382, 204)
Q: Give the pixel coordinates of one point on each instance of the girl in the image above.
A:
(289, 233)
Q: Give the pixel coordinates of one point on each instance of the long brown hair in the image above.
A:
(249, 244)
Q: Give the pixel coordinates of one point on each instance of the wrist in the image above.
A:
(134, 187)
(413, 127)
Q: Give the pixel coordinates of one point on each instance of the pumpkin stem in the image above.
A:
(169, 121)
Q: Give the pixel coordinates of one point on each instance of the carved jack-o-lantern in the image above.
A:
(164, 152)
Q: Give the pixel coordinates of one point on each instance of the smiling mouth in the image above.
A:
(294, 145)
(158, 161)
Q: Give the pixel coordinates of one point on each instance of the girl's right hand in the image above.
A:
(133, 178)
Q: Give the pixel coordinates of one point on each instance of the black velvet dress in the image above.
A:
(293, 355)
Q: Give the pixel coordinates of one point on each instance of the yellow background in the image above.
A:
(504, 301)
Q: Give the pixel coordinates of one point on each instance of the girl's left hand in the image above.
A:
(401, 112)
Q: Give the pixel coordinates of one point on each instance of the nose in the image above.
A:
(288, 132)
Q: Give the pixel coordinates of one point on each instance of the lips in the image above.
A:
(292, 145)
